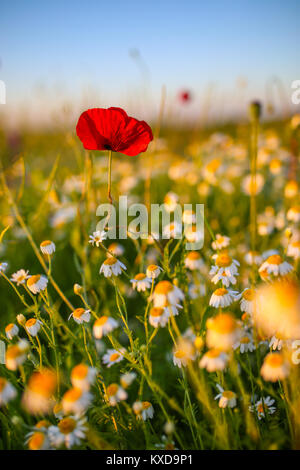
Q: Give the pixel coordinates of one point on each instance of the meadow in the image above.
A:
(139, 343)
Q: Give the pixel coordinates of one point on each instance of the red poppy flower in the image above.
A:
(185, 96)
(112, 129)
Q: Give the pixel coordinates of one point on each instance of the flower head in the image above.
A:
(20, 276)
(112, 266)
(37, 283)
(112, 129)
(81, 315)
(103, 326)
(47, 247)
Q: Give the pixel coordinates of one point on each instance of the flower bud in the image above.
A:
(78, 289)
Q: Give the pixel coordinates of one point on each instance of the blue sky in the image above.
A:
(68, 46)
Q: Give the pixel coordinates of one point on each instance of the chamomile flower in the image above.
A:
(263, 406)
(224, 263)
(37, 283)
(275, 367)
(189, 217)
(97, 237)
(113, 356)
(193, 260)
(141, 282)
(222, 331)
(247, 300)
(103, 326)
(20, 277)
(38, 441)
(112, 266)
(115, 394)
(293, 249)
(76, 401)
(70, 431)
(11, 330)
(170, 201)
(183, 353)
(7, 391)
(172, 230)
(226, 398)
(38, 395)
(293, 214)
(47, 247)
(33, 326)
(165, 294)
(158, 316)
(253, 257)
(3, 267)
(214, 360)
(222, 298)
(220, 242)
(153, 271)
(16, 354)
(127, 379)
(253, 186)
(193, 234)
(143, 410)
(80, 315)
(116, 249)
(83, 376)
(245, 343)
(276, 265)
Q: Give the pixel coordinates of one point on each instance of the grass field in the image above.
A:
(219, 371)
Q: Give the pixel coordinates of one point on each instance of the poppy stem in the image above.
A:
(109, 177)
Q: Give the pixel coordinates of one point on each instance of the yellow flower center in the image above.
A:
(43, 383)
(33, 280)
(30, 322)
(36, 441)
(193, 255)
(221, 291)
(180, 354)
(114, 357)
(248, 294)
(9, 327)
(152, 267)
(13, 352)
(46, 243)
(260, 408)
(163, 287)
(228, 394)
(67, 425)
(80, 371)
(78, 312)
(212, 353)
(223, 323)
(223, 260)
(42, 424)
(101, 321)
(274, 259)
(110, 261)
(140, 277)
(112, 390)
(73, 395)
(156, 312)
(146, 405)
(245, 340)
(274, 360)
